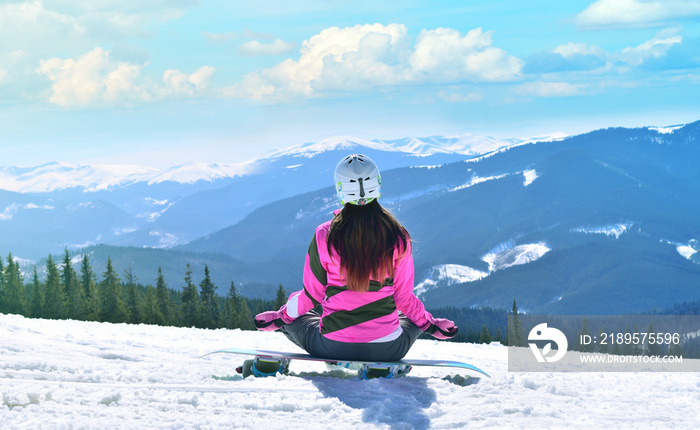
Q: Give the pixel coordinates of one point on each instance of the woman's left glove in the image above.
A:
(271, 320)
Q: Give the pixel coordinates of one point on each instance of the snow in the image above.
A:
(58, 176)
(86, 375)
(665, 130)
(349, 143)
(686, 251)
(477, 180)
(501, 257)
(448, 274)
(194, 171)
(514, 256)
(529, 177)
(165, 239)
(608, 230)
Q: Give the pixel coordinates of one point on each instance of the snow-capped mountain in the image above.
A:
(57, 176)
(99, 177)
(166, 207)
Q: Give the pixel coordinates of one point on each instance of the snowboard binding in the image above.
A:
(371, 371)
(261, 367)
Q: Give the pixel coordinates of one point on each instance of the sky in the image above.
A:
(164, 82)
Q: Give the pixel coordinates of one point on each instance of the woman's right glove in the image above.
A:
(440, 328)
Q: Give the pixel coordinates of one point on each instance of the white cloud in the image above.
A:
(375, 55)
(654, 48)
(91, 78)
(255, 43)
(276, 47)
(35, 30)
(613, 13)
(95, 79)
(549, 89)
(179, 83)
(336, 58)
(571, 50)
(444, 55)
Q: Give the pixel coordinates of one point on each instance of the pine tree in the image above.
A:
(229, 313)
(163, 300)
(88, 286)
(36, 301)
(245, 317)
(55, 299)
(71, 289)
(150, 312)
(132, 297)
(485, 336)
(210, 308)
(191, 303)
(281, 298)
(2, 285)
(516, 336)
(14, 293)
(111, 307)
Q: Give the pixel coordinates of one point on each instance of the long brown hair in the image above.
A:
(365, 238)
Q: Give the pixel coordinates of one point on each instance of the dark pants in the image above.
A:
(304, 332)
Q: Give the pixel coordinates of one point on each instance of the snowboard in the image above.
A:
(403, 365)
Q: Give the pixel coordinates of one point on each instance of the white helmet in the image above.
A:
(357, 180)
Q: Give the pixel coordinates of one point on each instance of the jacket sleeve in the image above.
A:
(406, 300)
(315, 279)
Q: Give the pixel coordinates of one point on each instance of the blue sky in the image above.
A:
(163, 82)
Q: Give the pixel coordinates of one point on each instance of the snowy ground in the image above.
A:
(77, 375)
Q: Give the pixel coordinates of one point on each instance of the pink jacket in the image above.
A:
(351, 316)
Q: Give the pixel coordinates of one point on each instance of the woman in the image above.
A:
(359, 269)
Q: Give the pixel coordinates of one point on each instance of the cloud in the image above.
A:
(34, 30)
(182, 84)
(655, 48)
(91, 78)
(276, 47)
(636, 13)
(375, 55)
(549, 89)
(96, 79)
(444, 55)
(256, 43)
(566, 58)
(683, 55)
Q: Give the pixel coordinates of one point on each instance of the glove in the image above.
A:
(441, 328)
(271, 320)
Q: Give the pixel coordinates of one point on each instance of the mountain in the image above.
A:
(600, 223)
(604, 222)
(143, 206)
